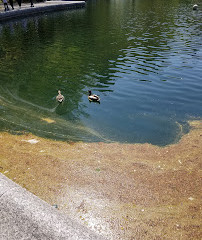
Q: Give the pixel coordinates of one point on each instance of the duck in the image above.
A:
(60, 98)
(195, 7)
(93, 97)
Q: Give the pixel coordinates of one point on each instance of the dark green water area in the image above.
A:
(142, 57)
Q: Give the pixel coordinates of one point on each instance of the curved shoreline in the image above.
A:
(116, 190)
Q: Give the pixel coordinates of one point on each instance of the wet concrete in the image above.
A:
(121, 191)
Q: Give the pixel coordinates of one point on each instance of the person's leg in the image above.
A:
(4, 6)
(32, 4)
(11, 3)
(19, 3)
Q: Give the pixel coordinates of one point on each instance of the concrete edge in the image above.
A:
(38, 9)
(25, 216)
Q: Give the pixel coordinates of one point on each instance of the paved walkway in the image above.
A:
(47, 6)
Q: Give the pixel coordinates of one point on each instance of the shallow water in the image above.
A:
(142, 58)
(123, 190)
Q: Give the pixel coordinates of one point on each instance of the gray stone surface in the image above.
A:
(48, 6)
(25, 216)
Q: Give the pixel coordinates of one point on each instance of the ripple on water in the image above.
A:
(142, 58)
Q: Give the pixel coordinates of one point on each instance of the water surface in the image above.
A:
(143, 58)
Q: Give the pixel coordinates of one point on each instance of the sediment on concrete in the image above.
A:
(39, 8)
(25, 216)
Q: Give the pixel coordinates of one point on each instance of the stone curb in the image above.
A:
(25, 216)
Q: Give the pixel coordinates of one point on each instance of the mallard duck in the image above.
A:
(195, 7)
(93, 97)
(60, 98)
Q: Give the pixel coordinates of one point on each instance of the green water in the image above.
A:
(143, 58)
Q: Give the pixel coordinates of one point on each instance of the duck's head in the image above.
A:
(195, 7)
(89, 92)
(59, 92)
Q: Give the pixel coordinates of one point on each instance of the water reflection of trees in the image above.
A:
(92, 52)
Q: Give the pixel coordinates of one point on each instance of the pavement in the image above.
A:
(42, 7)
(25, 216)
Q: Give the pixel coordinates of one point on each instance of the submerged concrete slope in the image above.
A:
(25, 216)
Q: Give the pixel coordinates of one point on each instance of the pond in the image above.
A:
(142, 57)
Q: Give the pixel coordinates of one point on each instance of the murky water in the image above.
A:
(143, 58)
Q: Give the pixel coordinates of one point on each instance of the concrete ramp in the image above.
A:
(25, 216)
